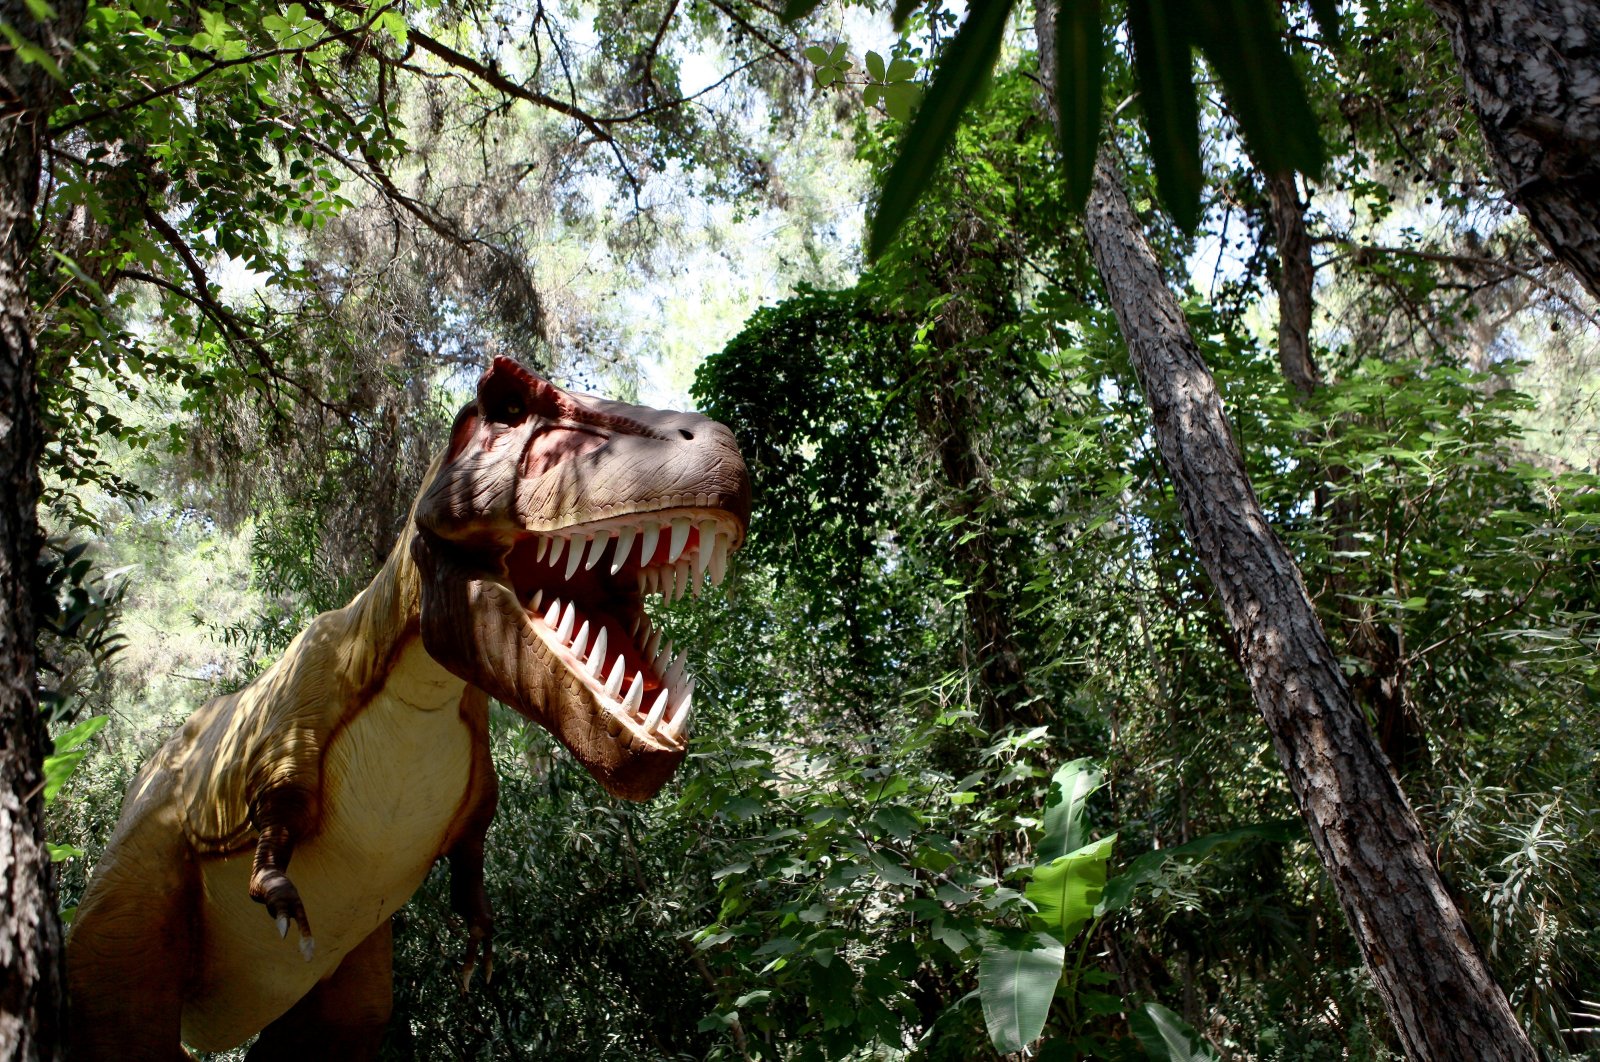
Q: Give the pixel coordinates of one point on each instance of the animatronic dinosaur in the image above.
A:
(364, 752)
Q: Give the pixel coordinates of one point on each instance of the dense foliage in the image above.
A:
(965, 568)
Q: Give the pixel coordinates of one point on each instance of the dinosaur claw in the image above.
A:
(308, 948)
(283, 926)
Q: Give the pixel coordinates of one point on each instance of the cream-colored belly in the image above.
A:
(393, 781)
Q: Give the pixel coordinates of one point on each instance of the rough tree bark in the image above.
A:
(30, 933)
(1439, 993)
(1297, 275)
(1532, 74)
(1383, 684)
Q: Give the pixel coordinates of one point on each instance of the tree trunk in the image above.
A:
(1400, 732)
(1295, 280)
(1532, 74)
(30, 932)
(1440, 995)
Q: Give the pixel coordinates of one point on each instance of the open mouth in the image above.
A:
(583, 590)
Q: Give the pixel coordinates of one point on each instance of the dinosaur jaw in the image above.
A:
(567, 642)
(583, 587)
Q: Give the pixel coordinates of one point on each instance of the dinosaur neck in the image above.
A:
(382, 633)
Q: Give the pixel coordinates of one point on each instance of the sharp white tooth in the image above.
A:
(597, 655)
(635, 693)
(679, 723)
(538, 596)
(557, 545)
(652, 645)
(564, 632)
(657, 710)
(581, 640)
(719, 560)
(624, 544)
(680, 536)
(684, 578)
(574, 555)
(675, 670)
(553, 617)
(647, 544)
(708, 546)
(614, 683)
(544, 547)
(597, 547)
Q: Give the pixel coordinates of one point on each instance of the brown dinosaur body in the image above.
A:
(327, 789)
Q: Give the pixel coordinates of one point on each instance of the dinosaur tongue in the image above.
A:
(475, 627)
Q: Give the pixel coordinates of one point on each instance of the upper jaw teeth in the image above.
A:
(676, 555)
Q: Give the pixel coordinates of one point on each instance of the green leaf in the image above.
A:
(1148, 868)
(871, 95)
(394, 23)
(1017, 978)
(901, 70)
(962, 71)
(1065, 807)
(60, 853)
(1165, 70)
(1243, 40)
(875, 68)
(59, 765)
(1067, 890)
(1080, 61)
(900, 99)
(1166, 1037)
(817, 54)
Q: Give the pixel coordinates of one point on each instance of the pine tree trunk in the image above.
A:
(30, 932)
(1443, 1001)
(1439, 993)
(1532, 74)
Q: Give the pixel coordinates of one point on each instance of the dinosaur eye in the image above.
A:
(502, 402)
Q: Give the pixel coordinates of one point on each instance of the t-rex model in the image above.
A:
(364, 752)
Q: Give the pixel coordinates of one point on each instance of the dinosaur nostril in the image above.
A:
(686, 433)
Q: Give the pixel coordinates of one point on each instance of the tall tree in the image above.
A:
(1531, 68)
(1443, 1000)
(38, 39)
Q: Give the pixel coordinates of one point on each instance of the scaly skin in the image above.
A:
(316, 799)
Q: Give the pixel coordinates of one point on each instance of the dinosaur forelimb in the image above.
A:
(470, 900)
(270, 885)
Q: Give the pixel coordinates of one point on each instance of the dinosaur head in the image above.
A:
(549, 518)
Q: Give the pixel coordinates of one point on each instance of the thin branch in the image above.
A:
(673, 104)
(339, 33)
(1512, 610)
(499, 81)
(655, 42)
(739, 20)
(1358, 251)
(202, 297)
